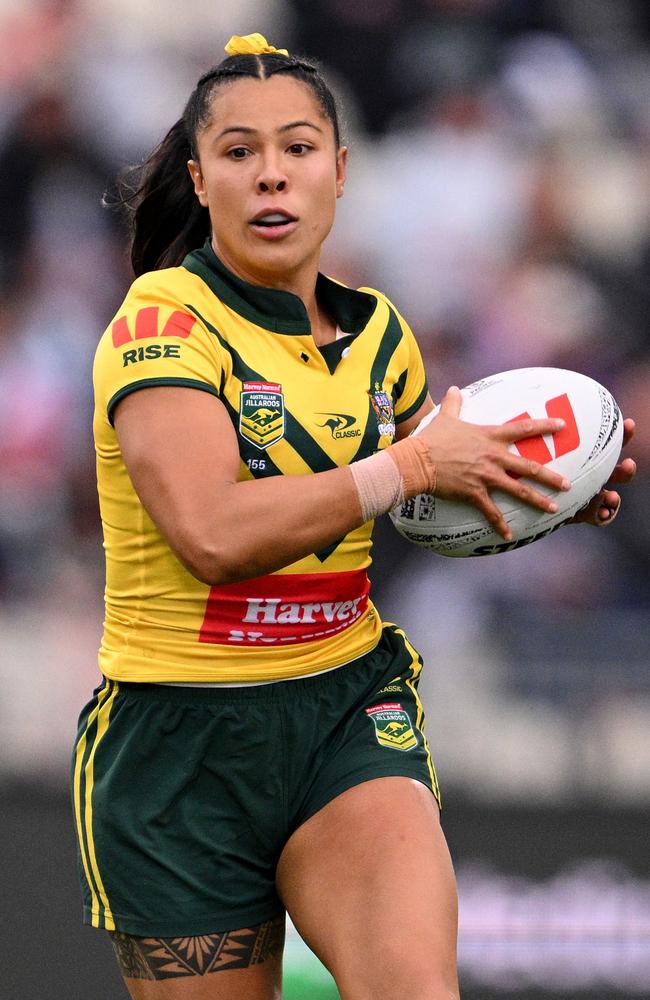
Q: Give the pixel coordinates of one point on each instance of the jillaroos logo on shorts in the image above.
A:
(393, 728)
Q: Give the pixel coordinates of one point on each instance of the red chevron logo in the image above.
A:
(147, 325)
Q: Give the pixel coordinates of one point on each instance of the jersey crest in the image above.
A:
(382, 404)
(393, 728)
(261, 413)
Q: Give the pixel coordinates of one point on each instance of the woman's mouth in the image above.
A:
(272, 225)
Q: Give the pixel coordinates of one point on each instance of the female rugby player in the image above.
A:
(257, 746)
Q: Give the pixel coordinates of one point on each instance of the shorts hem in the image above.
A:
(192, 927)
(359, 779)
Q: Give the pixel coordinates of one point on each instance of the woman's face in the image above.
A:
(269, 173)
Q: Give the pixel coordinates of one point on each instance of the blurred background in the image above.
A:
(499, 194)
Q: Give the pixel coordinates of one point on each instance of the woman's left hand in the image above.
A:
(604, 507)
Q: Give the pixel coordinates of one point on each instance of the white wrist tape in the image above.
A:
(392, 476)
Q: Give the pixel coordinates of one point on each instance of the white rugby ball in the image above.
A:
(585, 451)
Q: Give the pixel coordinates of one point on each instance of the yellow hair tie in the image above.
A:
(251, 45)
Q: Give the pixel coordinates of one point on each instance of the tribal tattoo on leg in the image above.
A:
(166, 958)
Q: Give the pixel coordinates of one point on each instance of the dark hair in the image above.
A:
(165, 216)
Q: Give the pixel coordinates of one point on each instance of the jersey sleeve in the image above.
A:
(413, 382)
(411, 388)
(155, 339)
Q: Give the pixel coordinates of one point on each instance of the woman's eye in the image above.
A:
(238, 153)
(298, 148)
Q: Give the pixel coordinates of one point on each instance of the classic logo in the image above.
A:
(340, 425)
(382, 404)
(564, 441)
(261, 413)
(393, 728)
(147, 325)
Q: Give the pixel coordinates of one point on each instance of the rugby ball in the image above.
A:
(585, 451)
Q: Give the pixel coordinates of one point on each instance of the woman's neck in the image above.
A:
(323, 327)
(302, 284)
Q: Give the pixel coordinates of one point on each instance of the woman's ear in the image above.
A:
(341, 170)
(197, 180)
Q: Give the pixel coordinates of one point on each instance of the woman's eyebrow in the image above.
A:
(285, 128)
(237, 128)
(247, 130)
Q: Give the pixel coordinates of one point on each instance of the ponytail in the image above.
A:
(166, 218)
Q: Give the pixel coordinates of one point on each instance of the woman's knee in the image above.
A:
(420, 972)
(416, 984)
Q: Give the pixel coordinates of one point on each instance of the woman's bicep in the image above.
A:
(180, 450)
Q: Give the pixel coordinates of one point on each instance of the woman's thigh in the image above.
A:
(242, 964)
(369, 884)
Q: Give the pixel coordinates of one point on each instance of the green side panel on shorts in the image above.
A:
(94, 725)
(86, 732)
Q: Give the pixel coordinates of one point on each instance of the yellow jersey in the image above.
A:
(296, 409)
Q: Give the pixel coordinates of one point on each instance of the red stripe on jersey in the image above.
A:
(179, 324)
(284, 608)
(146, 323)
(121, 332)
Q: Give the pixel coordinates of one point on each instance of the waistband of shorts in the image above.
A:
(260, 693)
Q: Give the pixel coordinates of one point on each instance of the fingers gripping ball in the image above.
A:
(585, 451)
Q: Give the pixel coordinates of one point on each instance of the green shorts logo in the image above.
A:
(261, 413)
(393, 728)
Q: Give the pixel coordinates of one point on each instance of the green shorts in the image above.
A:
(185, 797)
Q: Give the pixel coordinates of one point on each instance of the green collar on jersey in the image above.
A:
(276, 310)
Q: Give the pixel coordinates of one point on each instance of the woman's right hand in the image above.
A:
(474, 460)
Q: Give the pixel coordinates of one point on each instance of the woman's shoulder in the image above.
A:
(156, 302)
(165, 283)
(367, 290)
(382, 297)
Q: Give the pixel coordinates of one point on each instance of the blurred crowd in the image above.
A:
(498, 193)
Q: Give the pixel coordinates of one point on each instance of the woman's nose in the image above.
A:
(272, 184)
(271, 177)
